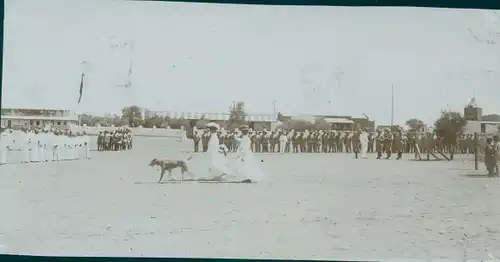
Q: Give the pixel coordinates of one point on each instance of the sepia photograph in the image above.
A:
(204, 130)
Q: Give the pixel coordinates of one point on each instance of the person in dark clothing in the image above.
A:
(490, 157)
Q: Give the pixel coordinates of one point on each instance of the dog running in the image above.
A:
(169, 165)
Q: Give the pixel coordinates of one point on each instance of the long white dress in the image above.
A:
(5, 143)
(57, 147)
(363, 139)
(216, 164)
(247, 166)
(86, 142)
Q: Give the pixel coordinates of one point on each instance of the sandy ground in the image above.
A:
(312, 206)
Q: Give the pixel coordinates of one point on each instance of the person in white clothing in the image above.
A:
(25, 141)
(57, 144)
(74, 149)
(66, 154)
(35, 146)
(42, 138)
(5, 144)
(49, 145)
(76, 144)
(248, 168)
(80, 146)
(183, 134)
(62, 145)
(283, 141)
(86, 143)
(216, 166)
(363, 140)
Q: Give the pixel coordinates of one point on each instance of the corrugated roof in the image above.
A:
(338, 121)
(212, 116)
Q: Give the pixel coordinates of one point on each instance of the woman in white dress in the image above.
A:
(248, 168)
(363, 139)
(215, 161)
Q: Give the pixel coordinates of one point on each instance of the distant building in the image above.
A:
(255, 121)
(477, 123)
(472, 113)
(37, 118)
(336, 122)
(364, 123)
(491, 118)
(339, 123)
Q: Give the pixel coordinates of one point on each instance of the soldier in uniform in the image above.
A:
(204, 140)
(296, 143)
(196, 140)
(329, 141)
(302, 140)
(398, 144)
(265, 141)
(289, 143)
(379, 144)
(388, 143)
(371, 142)
(355, 143)
(339, 140)
(347, 142)
(428, 144)
(491, 157)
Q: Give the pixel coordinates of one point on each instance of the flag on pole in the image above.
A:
(81, 89)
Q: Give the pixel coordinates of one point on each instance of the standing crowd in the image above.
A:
(115, 140)
(42, 145)
(491, 155)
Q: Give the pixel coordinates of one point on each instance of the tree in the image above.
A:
(321, 124)
(201, 123)
(395, 128)
(88, 120)
(449, 125)
(237, 115)
(415, 125)
(133, 115)
(155, 121)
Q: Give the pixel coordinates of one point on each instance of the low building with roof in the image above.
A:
(336, 122)
(479, 123)
(255, 121)
(37, 118)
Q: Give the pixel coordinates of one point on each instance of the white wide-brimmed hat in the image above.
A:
(212, 125)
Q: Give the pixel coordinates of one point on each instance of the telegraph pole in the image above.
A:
(392, 105)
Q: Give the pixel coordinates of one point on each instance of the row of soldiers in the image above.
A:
(115, 140)
(42, 145)
(333, 141)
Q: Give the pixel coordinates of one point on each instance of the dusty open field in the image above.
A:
(310, 207)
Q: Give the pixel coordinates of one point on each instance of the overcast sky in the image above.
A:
(200, 57)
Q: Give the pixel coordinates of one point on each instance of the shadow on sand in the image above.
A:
(156, 183)
(425, 160)
(204, 181)
(476, 175)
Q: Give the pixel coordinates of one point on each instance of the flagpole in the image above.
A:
(83, 63)
(392, 106)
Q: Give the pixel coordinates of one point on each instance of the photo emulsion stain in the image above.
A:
(203, 130)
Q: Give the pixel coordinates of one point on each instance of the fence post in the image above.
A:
(476, 160)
